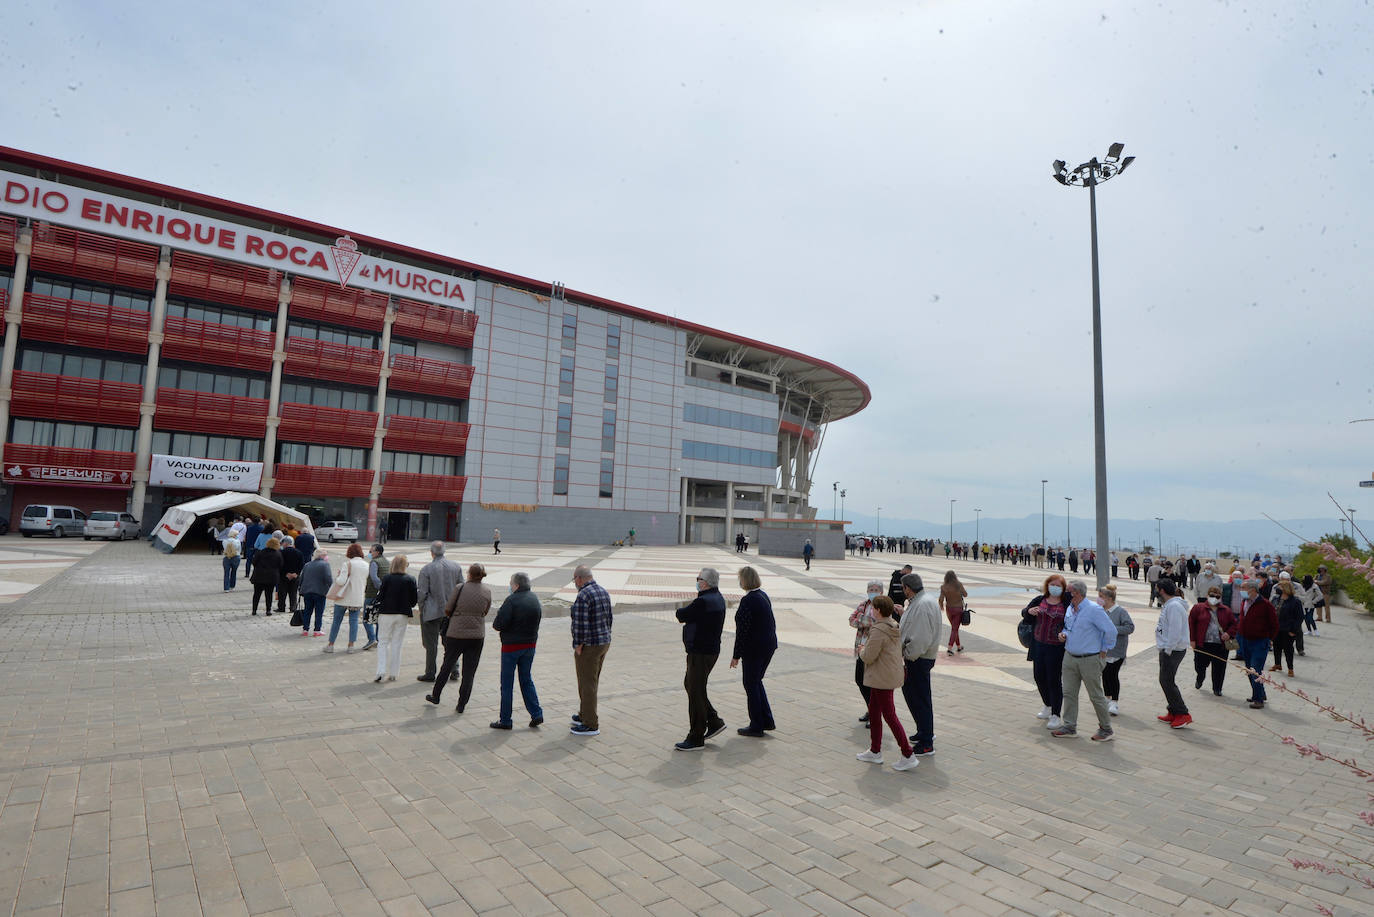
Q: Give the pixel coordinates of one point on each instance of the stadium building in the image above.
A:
(162, 344)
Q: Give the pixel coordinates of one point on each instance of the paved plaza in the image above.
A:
(165, 753)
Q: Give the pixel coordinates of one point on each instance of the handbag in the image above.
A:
(296, 620)
(967, 617)
(337, 590)
(1025, 632)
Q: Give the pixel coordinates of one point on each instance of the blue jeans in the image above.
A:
(314, 601)
(248, 560)
(522, 660)
(1256, 655)
(352, 625)
(756, 698)
(231, 572)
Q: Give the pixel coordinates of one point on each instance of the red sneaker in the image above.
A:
(1165, 717)
(1181, 721)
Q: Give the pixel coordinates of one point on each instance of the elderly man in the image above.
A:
(591, 638)
(702, 621)
(920, 645)
(1205, 580)
(1259, 624)
(1088, 636)
(435, 584)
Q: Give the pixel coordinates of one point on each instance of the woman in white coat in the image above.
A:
(352, 581)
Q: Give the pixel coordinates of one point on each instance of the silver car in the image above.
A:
(336, 531)
(57, 521)
(110, 525)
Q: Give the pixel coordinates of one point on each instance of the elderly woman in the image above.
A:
(266, 576)
(1116, 656)
(352, 581)
(316, 578)
(1210, 625)
(1047, 651)
(292, 562)
(465, 632)
(756, 639)
(517, 621)
(861, 619)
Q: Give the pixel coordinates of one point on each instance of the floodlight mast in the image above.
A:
(1090, 174)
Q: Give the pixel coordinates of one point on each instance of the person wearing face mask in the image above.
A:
(861, 619)
(1205, 580)
(1290, 625)
(1047, 651)
(1210, 624)
(1259, 624)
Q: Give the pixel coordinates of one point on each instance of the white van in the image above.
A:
(57, 521)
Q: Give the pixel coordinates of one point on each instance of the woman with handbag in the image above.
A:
(1116, 656)
(1210, 625)
(464, 633)
(347, 595)
(397, 597)
(1047, 651)
(952, 595)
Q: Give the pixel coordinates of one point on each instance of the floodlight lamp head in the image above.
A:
(1124, 163)
(1114, 151)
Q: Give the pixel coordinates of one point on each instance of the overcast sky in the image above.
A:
(868, 183)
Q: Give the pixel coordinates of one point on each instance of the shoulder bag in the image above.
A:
(336, 591)
(967, 617)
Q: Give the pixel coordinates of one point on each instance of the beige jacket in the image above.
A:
(882, 656)
(467, 609)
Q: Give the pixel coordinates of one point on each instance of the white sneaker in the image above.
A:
(1054, 723)
(908, 763)
(1112, 708)
(1314, 634)
(872, 757)
(1044, 714)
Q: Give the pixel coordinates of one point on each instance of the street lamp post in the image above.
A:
(1352, 524)
(1043, 482)
(1091, 174)
(952, 501)
(1068, 531)
(842, 493)
(880, 521)
(834, 494)
(977, 522)
(1159, 534)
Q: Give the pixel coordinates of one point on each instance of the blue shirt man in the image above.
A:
(1088, 636)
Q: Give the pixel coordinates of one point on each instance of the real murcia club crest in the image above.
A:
(346, 256)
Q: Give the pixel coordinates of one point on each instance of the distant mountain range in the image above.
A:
(1240, 537)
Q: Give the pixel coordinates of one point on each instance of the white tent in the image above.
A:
(178, 519)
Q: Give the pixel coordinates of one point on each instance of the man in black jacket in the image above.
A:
(702, 622)
(517, 621)
(894, 586)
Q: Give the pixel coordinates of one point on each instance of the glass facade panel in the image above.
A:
(731, 455)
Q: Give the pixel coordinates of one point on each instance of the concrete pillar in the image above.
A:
(22, 246)
(269, 442)
(682, 513)
(377, 437)
(767, 500)
(143, 448)
(729, 512)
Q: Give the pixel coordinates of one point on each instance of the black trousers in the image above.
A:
(1283, 647)
(701, 716)
(1168, 672)
(1048, 667)
(859, 680)
(258, 591)
(287, 592)
(470, 651)
(1111, 679)
(1216, 661)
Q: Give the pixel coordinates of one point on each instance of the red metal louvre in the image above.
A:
(207, 412)
(60, 457)
(313, 481)
(223, 345)
(429, 322)
(440, 488)
(54, 397)
(86, 324)
(437, 377)
(307, 423)
(223, 282)
(73, 253)
(420, 434)
(332, 362)
(315, 299)
(9, 231)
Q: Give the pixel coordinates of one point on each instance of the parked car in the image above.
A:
(110, 525)
(57, 521)
(336, 531)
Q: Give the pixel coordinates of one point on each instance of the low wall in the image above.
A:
(785, 538)
(566, 525)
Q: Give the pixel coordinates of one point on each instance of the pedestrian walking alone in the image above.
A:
(952, 596)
